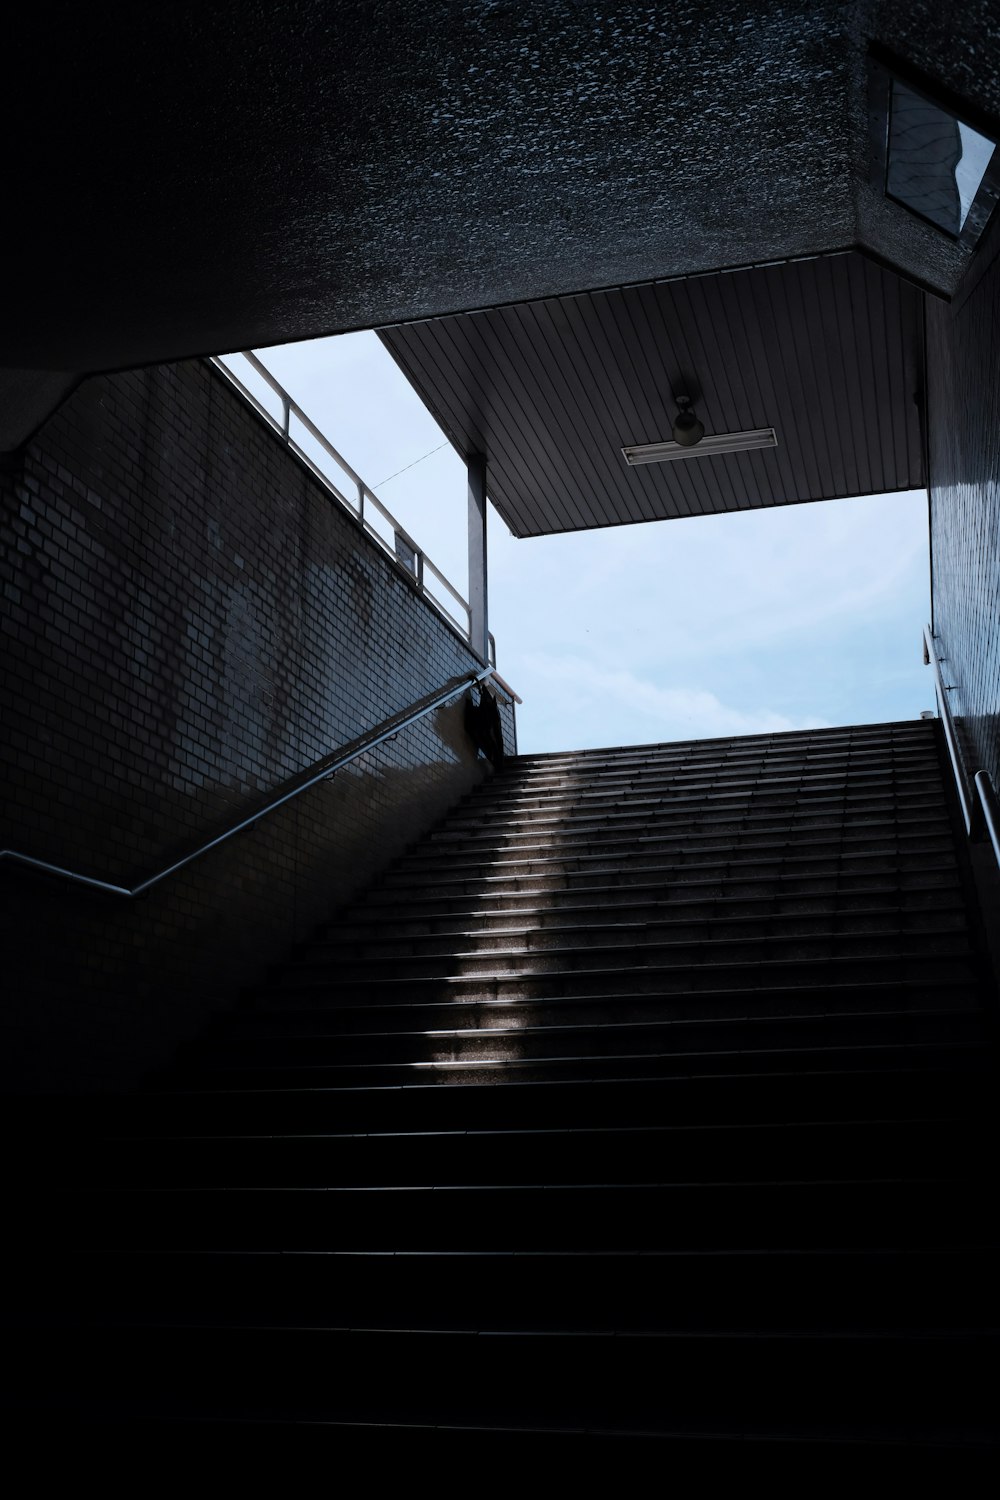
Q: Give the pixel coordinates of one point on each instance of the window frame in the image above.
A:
(883, 72)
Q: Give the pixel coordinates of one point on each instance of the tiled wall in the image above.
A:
(964, 440)
(187, 621)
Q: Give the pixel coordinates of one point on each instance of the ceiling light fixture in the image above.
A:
(687, 429)
(716, 443)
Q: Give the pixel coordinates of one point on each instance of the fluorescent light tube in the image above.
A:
(719, 442)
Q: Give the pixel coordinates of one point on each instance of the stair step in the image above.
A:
(670, 806)
(765, 1384)
(670, 799)
(892, 1213)
(272, 1446)
(905, 735)
(708, 1099)
(849, 775)
(460, 1073)
(551, 927)
(597, 978)
(811, 845)
(797, 1292)
(330, 1045)
(384, 906)
(793, 1151)
(879, 751)
(733, 875)
(806, 1007)
(687, 837)
(587, 947)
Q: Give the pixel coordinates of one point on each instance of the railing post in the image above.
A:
(478, 622)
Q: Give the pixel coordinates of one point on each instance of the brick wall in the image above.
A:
(187, 621)
(964, 441)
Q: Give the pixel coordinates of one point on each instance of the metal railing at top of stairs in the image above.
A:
(398, 545)
(980, 806)
(320, 770)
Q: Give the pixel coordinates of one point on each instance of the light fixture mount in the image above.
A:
(687, 429)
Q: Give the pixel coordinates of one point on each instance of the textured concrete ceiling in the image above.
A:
(193, 178)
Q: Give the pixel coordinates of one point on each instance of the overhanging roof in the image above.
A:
(190, 178)
(826, 351)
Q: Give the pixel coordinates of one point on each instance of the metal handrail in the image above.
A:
(990, 809)
(301, 782)
(404, 551)
(983, 813)
(932, 659)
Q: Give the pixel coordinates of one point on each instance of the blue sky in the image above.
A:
(786, 618)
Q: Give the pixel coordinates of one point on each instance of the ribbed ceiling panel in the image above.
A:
(826, 351)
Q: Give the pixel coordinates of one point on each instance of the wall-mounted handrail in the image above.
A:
(403, 550)
(990, 807)
(294, 787)
(981, 811)
(933, 660)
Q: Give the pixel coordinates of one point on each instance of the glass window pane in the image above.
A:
(925, 148)
(936, 163)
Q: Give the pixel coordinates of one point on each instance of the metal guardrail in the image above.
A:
(399, 545)
(320, 770)
(980, 807)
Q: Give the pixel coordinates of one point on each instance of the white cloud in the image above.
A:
(671, 712)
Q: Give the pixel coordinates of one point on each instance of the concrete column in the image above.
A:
(479, 623)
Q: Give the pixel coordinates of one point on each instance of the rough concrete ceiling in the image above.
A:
(193, 178)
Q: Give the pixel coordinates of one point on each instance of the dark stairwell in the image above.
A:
(650, 1097)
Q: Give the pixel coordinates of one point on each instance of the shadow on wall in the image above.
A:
(102, 988)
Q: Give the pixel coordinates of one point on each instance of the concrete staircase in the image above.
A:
(648, 1101)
